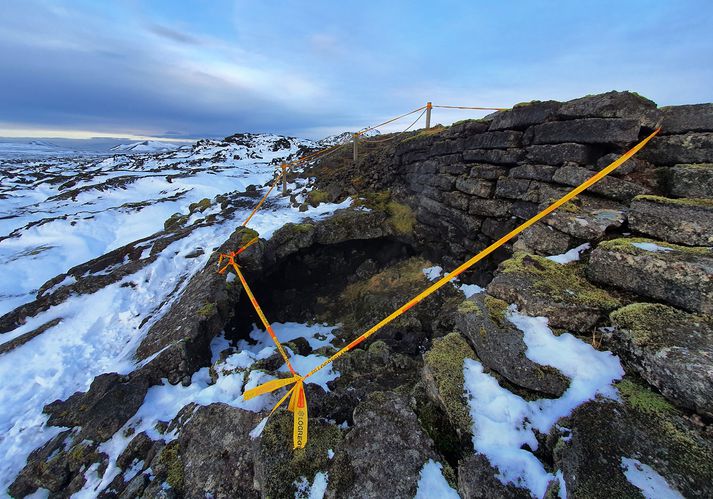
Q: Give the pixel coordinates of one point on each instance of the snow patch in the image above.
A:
(655, 248)
(570, 256)
(432, 484)
(314, 491)
(647, 480)
(504, 423)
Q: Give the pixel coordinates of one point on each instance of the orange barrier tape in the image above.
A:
(231, 263)
(299, 380)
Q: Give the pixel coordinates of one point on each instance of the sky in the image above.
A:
(211, 68)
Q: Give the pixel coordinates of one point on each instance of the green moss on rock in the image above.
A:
(247, 236)
(626, 245)
(175, 220)
(643, 400)
(315, 197)
(445, 363)
(496, 308)
(401, 217)
(689, 202)
(207, 310)
(200, 206)
(648, 322)
(170, 457)
(562, 283)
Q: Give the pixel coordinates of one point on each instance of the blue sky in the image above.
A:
(215, 67)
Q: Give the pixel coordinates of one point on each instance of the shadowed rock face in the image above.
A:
(425, 198)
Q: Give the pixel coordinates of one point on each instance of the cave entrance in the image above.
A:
(300, 287)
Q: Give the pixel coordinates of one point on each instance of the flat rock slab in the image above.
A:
(691, 181)
(670, 349)
(610, 187)
(559, 292)
(586, 131)
(678, 275)
(500, 346)
(681, 221)
(694, 147)
(587, 218)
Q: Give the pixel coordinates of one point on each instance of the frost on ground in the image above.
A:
(646, 479)
(504, 424)
(432, 483)
(112, 202)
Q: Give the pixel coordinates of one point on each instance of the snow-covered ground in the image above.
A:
(117, 200)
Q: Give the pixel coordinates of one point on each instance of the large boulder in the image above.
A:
(500, 346)
(610, 187)
(681, 221)
(586, 131)
(382, 455)
(560, 292)
(494, 140)
(694, 147)
(691, 181)
(671, 349)
(608, 105)
(558, 154)
(216, 452)
(687, 118)
(593, 446)
(586, 218)
(678, 275)
(525, 114)
(543, 239)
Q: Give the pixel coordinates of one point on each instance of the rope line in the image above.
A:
(476, 108)
(298, 391)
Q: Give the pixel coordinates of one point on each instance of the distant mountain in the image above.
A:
(344, 137)
(146, 146)
(32, 148)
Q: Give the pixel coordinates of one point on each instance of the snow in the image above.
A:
(99, 332)
(432, 484)
(330, 454)
(655, 248)
(314, 491)
(571, 255)
(257, 431)
(433, 273)
(470, 289)
(146, 146)
(505, 424)
(647, 480)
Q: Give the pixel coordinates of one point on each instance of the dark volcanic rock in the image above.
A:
(558, 154)
(608, 105)
(687, 118)
(216, 452)
(543, 240)
(523, 115)
(646, 428)
(691, 181)
(494, 140)
(542, 287)
(477, 480)
(681, 221)
(587, 218)
(587, 131)
(670, 349)
(384, 452)
(678, 275)
(500, 346)
(692, 147)
(610, 187)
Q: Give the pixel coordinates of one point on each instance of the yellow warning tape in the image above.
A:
(299, 441)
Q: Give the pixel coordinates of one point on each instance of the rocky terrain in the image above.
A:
(576, 362)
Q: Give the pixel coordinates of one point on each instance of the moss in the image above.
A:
(283, 465)
(408, 273)
(247, 236)
(373, 200)
(643, 400)
(200, 206)
(301, 228)
(171, 458)
(207, 310)
(574, 206)
(496, 308)
(468, 307)
(175, 220)
(689, 202)
(562, 283)
(315, 197)
(626, 245)
(650, 323)
(401, 217)
(445, 362)
(426, 132)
